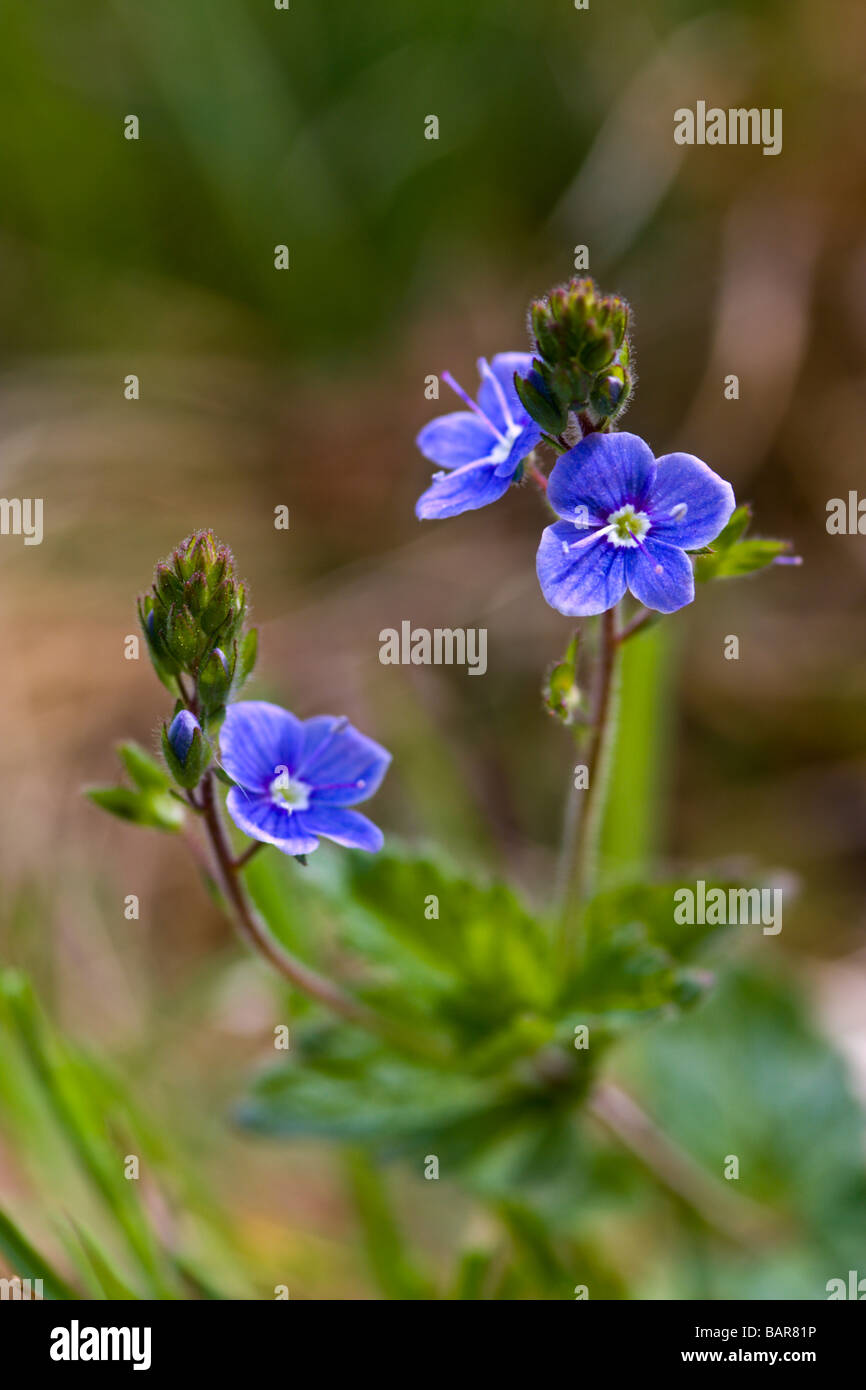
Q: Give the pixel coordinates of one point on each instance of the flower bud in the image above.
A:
(186, 752)
(215, 680)
(196, 605)
(195, 593)
(562, 696)
(181, 635)
(581, 341)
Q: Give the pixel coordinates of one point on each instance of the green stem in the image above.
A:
(255, 934)
(586, 806)
(736, 1218)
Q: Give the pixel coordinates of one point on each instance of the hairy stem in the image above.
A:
(253, 930)
(586, 805)
(255, 934)
(535, 473)
(639, 621)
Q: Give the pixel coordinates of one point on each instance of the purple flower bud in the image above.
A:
(181, 734)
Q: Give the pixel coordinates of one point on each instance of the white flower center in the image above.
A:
(626, 526)
(503, 447)
(293, 794)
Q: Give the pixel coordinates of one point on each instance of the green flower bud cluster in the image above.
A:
(193, 623)
(582, 356)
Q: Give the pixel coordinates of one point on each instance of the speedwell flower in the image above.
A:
(483, 446)
(627, 521)
(296, 778)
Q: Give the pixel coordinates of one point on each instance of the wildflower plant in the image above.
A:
(437, 1018)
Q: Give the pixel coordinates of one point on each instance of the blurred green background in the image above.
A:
(306, 388)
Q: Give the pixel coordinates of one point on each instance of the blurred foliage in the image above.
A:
(306, 127)
(64, 1110)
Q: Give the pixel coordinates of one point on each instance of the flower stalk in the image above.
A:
(586, 806)
(257, 936)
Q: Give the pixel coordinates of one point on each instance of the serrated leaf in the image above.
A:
(381, 1102)
(429, 945)
(635, 952)
(481, 935)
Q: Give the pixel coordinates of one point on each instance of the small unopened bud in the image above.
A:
(182, 732)
(562, 695)
(186, 751)
(215, 680)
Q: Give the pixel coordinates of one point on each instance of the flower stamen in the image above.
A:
(473, 406)
(627, 526)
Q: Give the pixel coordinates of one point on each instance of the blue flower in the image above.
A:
(483, 446)
(297, 777)
(628, 520)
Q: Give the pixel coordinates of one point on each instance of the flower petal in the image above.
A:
(452, 440)
(348, 828)
(464, 491)
(602, 473)
(267, 820)
(497, 388)
(523, 445)
(587, 577)
(660, 575)
(709, 501)
(340, 765)
(256, 738)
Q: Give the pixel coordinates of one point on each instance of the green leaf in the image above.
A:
(156, 809)
(429, 946)
(743, 558)
(387, 1252)
(77, 1098)
(26, 1262)
(479, 951)
(736, 527)
(247, 655)
(635, 953)
(110, 1283)
(354, 1093)
(748, 1075)
(732, 555)
(472, 1274)
(145, 771)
